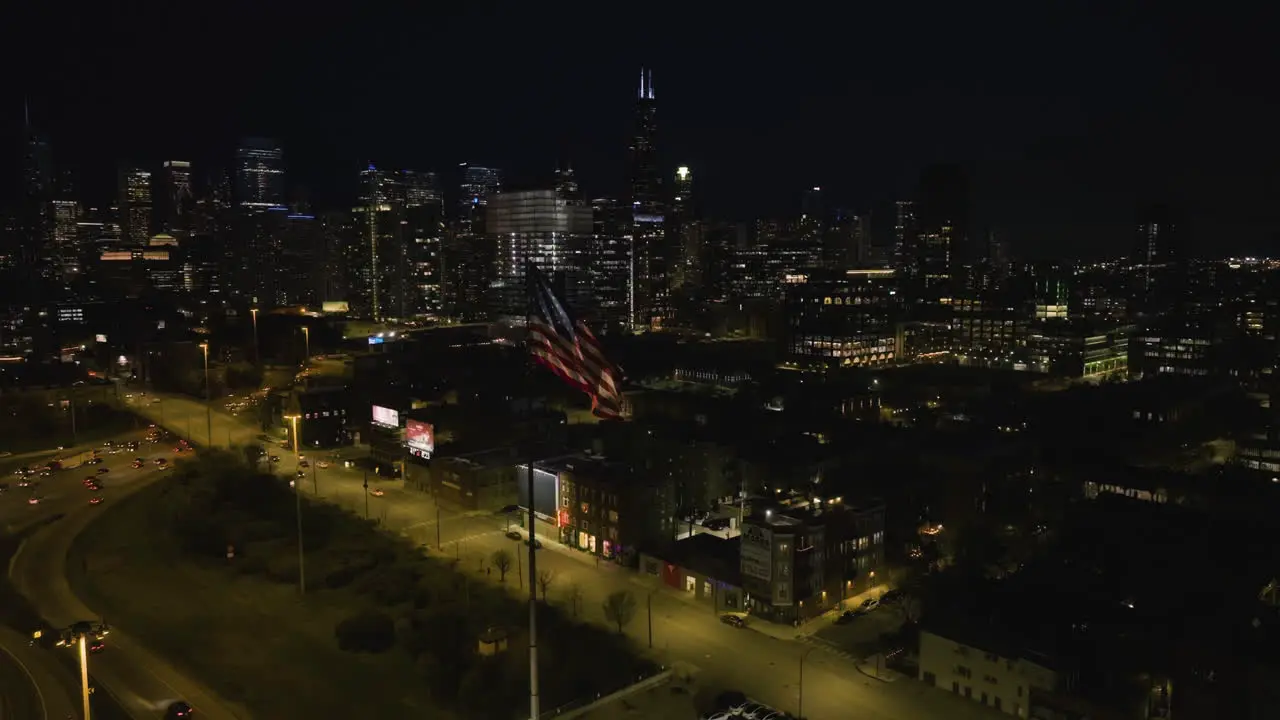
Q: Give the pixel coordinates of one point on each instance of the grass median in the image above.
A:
(383, 632)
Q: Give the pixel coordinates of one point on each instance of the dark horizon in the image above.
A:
(1067, 121)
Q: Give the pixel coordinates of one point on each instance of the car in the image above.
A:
(304, 463)
(93, 486)
(720, 716)
(97, 646)
(733, 620)
(869, 604)
(24, 483)
(95, 500)
(514, 535)
(377, 492)
(93, 461)
(847, 617)
(322, 465)
(535, 542)
(177, 450)
(161, 461)
(33, 500)
(135, 465)
(91, 479)
(178, 711)
(274, 459)
(4, 487)
(103, 471)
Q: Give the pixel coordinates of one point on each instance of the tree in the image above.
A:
(501, 560)
(575, 598)
(620, 608)
(545, 579)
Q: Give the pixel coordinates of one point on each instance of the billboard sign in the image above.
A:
(386, 416)
(421, 438)
(546, 492)
(757, 553)
(339, 306)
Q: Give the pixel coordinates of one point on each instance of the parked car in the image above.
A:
(95, 500)
(734, 620)
(514, 535)
(178, 711)
(847, 617)
(537, 544)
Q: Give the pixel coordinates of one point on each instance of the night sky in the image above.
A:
(1069, 115)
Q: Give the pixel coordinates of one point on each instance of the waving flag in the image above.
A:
(568, 348)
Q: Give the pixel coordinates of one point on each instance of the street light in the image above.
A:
(297, 495)
(208, 412)
(254, 313)
(306, 334)
(84, 673)
(800, 703)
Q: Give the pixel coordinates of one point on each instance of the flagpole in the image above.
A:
(533, 570)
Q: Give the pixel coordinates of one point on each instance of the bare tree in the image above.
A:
(620, 608)
(575, 598)
(501, 560)
(545, 579)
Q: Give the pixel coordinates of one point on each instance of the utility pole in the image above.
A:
(366, 494)
(84, 672)
(297, 495)
(648, 603)
(800, 702)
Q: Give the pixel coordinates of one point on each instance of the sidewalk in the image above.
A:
(814, 624)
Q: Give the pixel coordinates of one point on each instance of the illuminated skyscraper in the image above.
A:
(469, 252)
(173, 198)
(538, 226)
(650, 257)
(135, 206)
(259, 173)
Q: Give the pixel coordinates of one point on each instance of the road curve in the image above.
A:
(143, 683)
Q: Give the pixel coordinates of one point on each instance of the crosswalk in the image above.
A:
(829, 647)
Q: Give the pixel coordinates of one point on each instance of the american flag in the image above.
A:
(568, 348)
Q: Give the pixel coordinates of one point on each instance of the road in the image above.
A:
(142, 683)
(763, 666)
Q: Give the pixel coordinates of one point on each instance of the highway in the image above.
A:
(763, 666)
(142, 683)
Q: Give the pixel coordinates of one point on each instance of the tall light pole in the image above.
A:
(800, 702)
(306, 335)
(84, 672)
(297, 495)
(254, 312)
(208, 398)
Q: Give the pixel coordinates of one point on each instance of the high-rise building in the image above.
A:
(610, 268)
(259, 173)
(173, 198)
(65, 253)
(942, 252)
(136, 206)
(904, 237)
(685, 241)
(537, 226)
(650, 256)
(424, 234)
(32, 230)
(469, 251)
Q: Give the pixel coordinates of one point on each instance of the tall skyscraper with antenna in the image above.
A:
(649, 257)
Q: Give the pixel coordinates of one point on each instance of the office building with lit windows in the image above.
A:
(539, 226)
(136, 206)
(842, 318)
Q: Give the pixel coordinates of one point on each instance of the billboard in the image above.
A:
(757, 552)
(546, 491)
(339, 306)
(386, 416)
(421, 438)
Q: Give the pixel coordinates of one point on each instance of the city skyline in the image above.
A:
(1064, 146)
